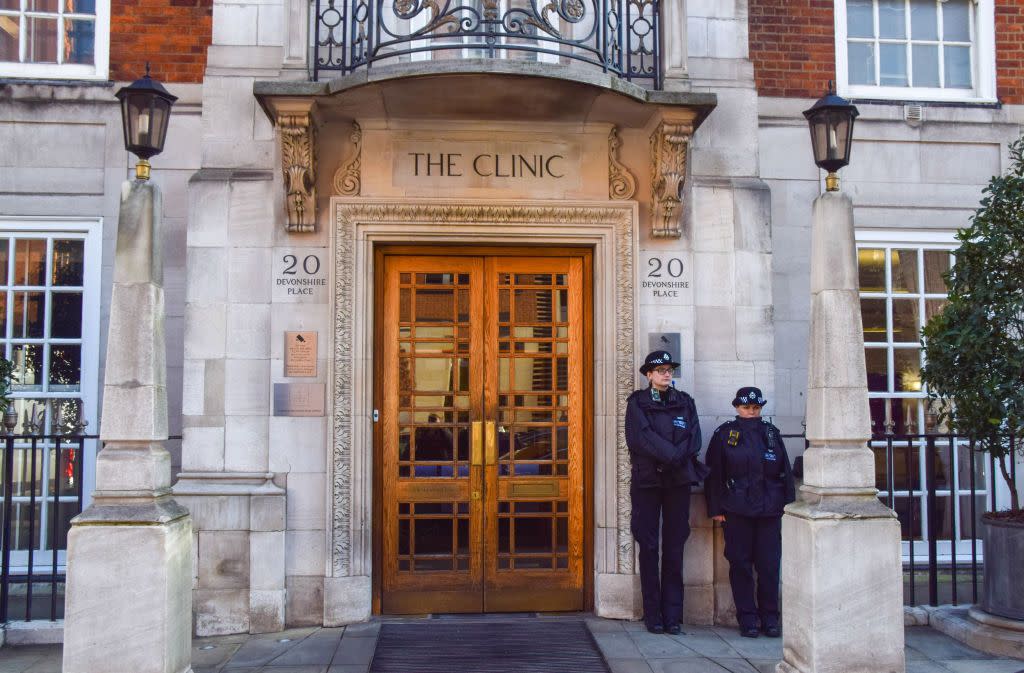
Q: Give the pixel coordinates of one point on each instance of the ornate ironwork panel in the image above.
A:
(618, 36)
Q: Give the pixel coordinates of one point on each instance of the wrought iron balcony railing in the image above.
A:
(617, 36)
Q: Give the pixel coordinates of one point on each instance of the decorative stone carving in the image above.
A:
(621, 183)
(299, 165)
(443, 215)
(347, 177)
(670, 143)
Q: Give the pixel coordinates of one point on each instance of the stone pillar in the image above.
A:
(842, 586)
(129, 590)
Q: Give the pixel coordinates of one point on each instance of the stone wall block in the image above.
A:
(713, 275)
(298, 444)
(249, 330)
(205, 331)
(346, 600)
(217, 512)
(253, 218)
(699, 604)
(753, 278)
(266, 560)
(249, 275)
(752, 216)
(307, 507)
(247, 387)
(246, 443)
(715, 332)
(192, 387)
(267, 513)
(712, 213)
(698, 567)
(267, 611)
(305, 602)
(755, 333)
(207, 279)
(617, 596)
(208, 214)
(132, 467)
(213, 388)
(219, 612)
(202, 449)
(228, 111)
(224, 559)
(234, 24)
(134, 413)
(305, 552)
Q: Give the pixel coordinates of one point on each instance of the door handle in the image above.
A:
(491, 442)
(476, 448)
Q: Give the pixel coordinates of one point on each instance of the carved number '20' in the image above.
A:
(673, 267)
(310, 264)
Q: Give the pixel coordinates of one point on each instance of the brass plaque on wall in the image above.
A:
(299, 399)
(300, 354)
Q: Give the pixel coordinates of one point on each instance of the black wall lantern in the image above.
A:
(145, 110)
(831, 122)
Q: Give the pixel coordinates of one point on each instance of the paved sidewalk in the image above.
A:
(627, 647)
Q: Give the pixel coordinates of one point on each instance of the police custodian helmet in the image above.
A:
(656, 359)
(749, 395)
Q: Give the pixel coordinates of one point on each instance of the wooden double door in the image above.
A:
(483, 439)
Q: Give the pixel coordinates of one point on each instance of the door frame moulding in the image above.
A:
(360, 224)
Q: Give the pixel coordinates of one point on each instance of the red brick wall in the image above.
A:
(171, 34)
(793, 50)
(1010, 50)
(792, 47)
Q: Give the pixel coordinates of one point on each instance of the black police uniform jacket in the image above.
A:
(750, 470)
(664, 439)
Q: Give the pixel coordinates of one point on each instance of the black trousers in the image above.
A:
(754, 543)
(669, 510)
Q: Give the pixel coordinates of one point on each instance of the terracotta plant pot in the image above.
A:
(1003, 593)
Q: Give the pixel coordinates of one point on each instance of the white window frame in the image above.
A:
(982, 56)
(90, 230)
(99, 70)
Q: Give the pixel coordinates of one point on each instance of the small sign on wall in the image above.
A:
(299, 399)
(300, 354)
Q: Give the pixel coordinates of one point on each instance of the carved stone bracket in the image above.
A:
(621, 183)
(670, 143)
(347, 180)
(298, 140)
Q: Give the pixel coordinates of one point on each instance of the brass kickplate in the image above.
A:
(534, 490)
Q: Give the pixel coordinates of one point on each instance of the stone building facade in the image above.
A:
(357, 259)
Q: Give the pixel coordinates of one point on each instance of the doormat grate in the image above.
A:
(534, 646)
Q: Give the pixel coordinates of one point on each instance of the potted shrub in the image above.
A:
(974, 351)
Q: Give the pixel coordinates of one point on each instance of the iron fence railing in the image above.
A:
(618, 36)
(42, 492)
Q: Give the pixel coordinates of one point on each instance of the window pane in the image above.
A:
(891, 20)
(873, 314)
(28, 367)
(861, 56)
(905, 326)
(871, 264)
(926, 64)
(4, 248)
(65, 368)
(907, 365)
(79, 38)
(66, 320)
(878, 367)
(933, 307)
(924, 20)
(67, 262)
(958, 67)
(904, 271)
(936, 263)
(893, 61)
(10, 4)
(30, 262)
(80, 6)
(9, 41)
(42, 40)
(29, 315)
(3, 318)
(859, 18)
(956, 26)
(51, 6)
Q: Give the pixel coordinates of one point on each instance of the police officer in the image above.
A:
(663, 435)
(751, 481)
